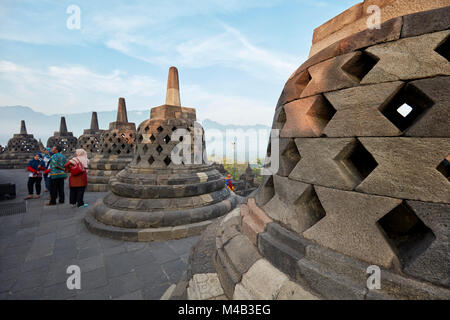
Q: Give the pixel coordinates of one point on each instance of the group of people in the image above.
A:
(54, 168)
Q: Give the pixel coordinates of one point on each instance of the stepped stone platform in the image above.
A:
(64, 139)
(116, 150)
(20, 150)
(361, 182)
(90, 139)
(155, 198)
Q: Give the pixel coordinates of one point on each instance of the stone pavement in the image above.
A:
(36, 248)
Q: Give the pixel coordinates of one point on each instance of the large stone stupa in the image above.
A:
(116, 149)
(359, 206)
(20, 150)
(158, 197)
(64, 139)
(90, 139)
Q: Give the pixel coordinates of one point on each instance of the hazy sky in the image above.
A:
(234, 56)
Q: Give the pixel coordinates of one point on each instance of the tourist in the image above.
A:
(78, 177)
(46, 159)
(229, 182)
(35, 167)
(57, 176)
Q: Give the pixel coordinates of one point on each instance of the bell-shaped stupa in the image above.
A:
(116, 149)
(90, 139)
(20, 149)
(64, 139)
(168, 191)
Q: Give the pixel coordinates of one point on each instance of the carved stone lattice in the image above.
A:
(90, 139)
(168, 190)
(115, 150)
(20, 150)
(64, 139)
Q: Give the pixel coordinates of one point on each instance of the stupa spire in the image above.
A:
(94, 121)
(122, 111)
(173, 88)
(63, 126)
(23, 128)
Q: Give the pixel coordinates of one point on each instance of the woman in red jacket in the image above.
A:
(78, 177)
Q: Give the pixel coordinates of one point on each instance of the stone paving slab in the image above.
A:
(36, 248)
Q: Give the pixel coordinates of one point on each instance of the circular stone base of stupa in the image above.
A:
(167, 223)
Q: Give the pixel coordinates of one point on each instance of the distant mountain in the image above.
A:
(42, 125)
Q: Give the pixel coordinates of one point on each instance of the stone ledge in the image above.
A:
(144, 235)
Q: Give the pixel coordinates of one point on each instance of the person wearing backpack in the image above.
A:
(78, 177)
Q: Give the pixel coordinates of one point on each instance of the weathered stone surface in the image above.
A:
(242, 253)
(409, 58)
(329, 75)
(434, 122)
(325, 162)
(292, 291)
(330, 285)
(227, 273)
(358, 111)
(295, 204)
(350, 225)
(204, 286)
(307, 117)
(282, 248)
(289, 156)
(294, 87)
(254, 221)
(436, 20)
(262, 282)
(409, 172)
(433, 264)
(398, 287)
(265, 192)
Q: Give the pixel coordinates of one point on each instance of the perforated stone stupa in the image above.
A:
(64, 139)
(90, 139)
(116, 149)
(364, 133)
(158, 197)
(20, 150)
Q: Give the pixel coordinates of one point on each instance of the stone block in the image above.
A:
(289, 156)
(411, 171)
(436, 20)
(227, 274)
(204, 286)
(330, 75)
(281, 255)
(329, 285)
(242, 253)
(306, 117)
(262, 282)
(358, 111)
(350, 225)
(294, 87)
(434, 121)
(292, 291)
(326, 162)
(407, 59)
(432, 263)
(295, 204)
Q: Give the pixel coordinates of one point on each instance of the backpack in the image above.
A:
(77, 169)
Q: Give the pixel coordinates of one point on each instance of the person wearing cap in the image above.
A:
(35, 168)
(229, 182)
